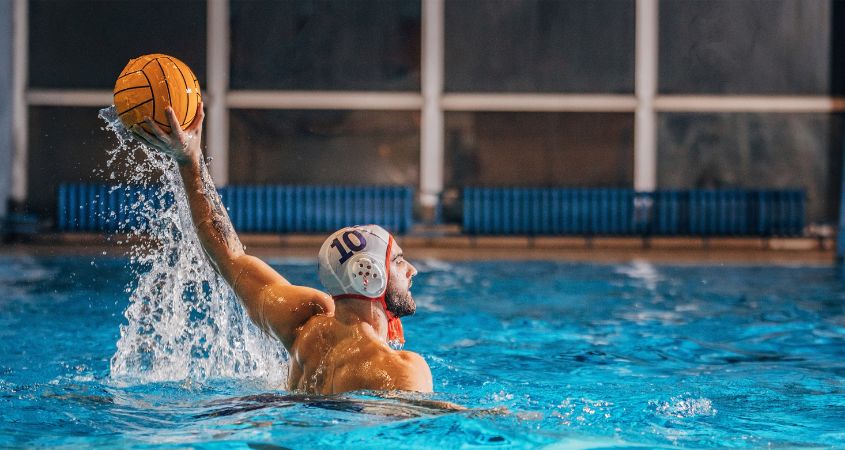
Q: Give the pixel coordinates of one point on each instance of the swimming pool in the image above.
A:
(581, 355)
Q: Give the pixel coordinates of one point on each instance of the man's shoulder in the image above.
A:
(288, 309)
(300, 303)
(371, 347)
(410, 357)
(376, 366)
(409, 371)
(401, 360)
(287, 291)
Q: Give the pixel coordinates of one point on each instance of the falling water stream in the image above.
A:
(183, 322)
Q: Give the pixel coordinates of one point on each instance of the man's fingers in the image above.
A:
(174, 121)
(141, 132)
(156, 129)
(144, 136)
(198, 118)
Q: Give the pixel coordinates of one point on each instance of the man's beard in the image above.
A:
(400, 304)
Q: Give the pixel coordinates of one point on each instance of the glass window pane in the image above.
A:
(539, 46)
(324, 147)
(535, 150)
(745, 47)
(85, 44)
(325, 44)
(761, 150)
(837, 48)
(66, 145)
(539, 149)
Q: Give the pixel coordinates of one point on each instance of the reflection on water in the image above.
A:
(399, 406)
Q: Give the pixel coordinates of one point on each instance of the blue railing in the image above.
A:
(270, 209)
(560, 211)
(495, 211)
(285, 209)
(100, 207)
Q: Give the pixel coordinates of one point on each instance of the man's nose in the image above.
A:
(411, 270)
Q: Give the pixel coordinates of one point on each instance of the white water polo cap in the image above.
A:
(354, 262)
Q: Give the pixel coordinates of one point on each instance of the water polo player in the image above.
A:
(338, 341)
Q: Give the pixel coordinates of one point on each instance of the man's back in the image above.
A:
(331, 356)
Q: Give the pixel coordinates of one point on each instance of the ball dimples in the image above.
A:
(149, 84)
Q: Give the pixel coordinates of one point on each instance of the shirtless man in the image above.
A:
(339, 342)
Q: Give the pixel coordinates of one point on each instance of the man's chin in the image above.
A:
(402, 306)
(412, 305)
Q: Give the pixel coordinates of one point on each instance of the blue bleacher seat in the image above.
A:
(265, 209)
(621, 212)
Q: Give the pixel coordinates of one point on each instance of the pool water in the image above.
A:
(546, 354)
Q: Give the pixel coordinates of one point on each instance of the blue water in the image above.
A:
(545, 353)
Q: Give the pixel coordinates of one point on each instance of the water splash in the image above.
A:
(183, 322)
(683, 406)
(583, 411)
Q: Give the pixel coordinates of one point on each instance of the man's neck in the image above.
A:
(353, 311)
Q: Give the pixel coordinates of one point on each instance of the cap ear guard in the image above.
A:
(354, 262)
(366, 275)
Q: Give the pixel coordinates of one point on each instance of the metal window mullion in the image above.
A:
(749, 103)
(645, 89)
(432, 121)
(69, 97)
(507, 102)
(217, 129)
(352, 100)
(522, 102)
(20, 117)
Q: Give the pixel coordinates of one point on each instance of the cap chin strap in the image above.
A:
(395, 333)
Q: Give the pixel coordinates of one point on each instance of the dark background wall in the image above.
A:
(719, 47)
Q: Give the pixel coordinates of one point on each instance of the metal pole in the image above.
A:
(840, 234)
(645, 133)
(6, 92)
(431, 139)
(217, 119)
(19, 108)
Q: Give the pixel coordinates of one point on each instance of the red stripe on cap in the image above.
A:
(395, 331)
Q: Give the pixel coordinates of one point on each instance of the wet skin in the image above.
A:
(334, 346)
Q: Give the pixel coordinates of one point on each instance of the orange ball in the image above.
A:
(151, 83)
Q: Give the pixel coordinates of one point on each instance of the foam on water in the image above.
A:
(183, 322)
(683, 406)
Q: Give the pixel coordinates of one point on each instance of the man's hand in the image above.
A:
(182, 145)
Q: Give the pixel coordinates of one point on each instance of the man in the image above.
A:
(336, 342)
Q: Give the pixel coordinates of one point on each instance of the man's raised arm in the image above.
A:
(272, 302)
